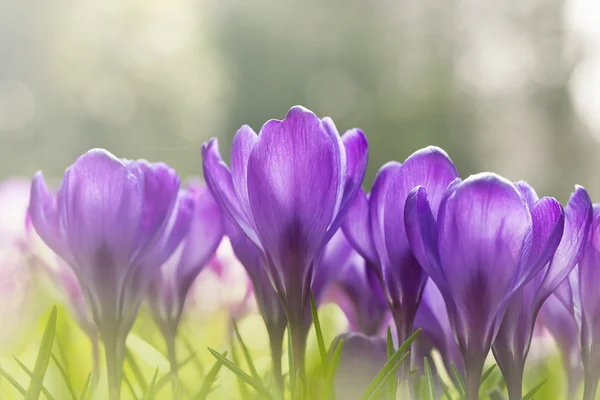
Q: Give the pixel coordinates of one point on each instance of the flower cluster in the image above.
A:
(476, 264)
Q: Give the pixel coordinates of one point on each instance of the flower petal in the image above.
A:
(292, 186)
(529, 194)
(243, 142)
(357, 227)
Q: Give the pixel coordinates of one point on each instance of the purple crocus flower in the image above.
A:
(559, 322)
(485, 245)
(288, 190)
(375, 226)
(169, 290)
(115, 222)
(512, 343)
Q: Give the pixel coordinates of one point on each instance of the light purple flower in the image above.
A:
(484, 246)
(375, 226)
(288, 189)
(115, 222)
(512, 343)
(169, 289)
(559, 322)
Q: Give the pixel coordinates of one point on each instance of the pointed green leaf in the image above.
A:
(13, 382)
(444, 388)
(247, 355)
(318, 331)
(257, 385)
(137, 372)
(487, 373)
(130, 386)
(392, 364)
(209, 380)
(28, 372)
(331, 371)
(43, 358)
(150, 392)
(458, 380)
(535, 389)
(241, 384)
(191, 350)
(167, 377)
(429, 378)
(392, 383)
(389, 375)
(86, 387)
(65, 376)
(299, 390)
(291, 373)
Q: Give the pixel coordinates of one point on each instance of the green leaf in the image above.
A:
(257, 385)
(331, 371)
(130, 386)
(458, 380)
(246, 352)
(150, 392)
(13, 382)
(243, 388)
(291, 374)
(487, 373)
(167, 377)
(86, 386)
(43, 358)
(209, 380)
(319, 332)
(148, 353)
(444, 388)
(191, 350)
(65, 376)
(137, 372)
(28, 372)
(299, 390)
(430, 382)
(392, 364)
(535, 389)
(392, 383)
(390, 375)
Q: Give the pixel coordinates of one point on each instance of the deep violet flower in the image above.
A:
(512, 343)
(485, 245)
(288, 190)
(558, 321)
(170, 288)
(375, 226)
(115, 222)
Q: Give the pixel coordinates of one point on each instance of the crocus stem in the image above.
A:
(590, 385)
(474, 369)
(276, 342)
(170, 340)
(95, 362)
(514, 384)
(113, 350)
(298, 335)
(403, 331)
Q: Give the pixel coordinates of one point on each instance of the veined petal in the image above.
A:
(529, 194)
(357, 227)
(589, 276)
(243, 142)
(482, 228)
(219, 180)
(293, 180)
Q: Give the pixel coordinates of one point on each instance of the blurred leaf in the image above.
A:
(390, 375)
(429, 378)
(191, 350)
(150, 392)
(458, 380)
(299, 389)
(318, 331)
(533, 391)
(28, 372)
(392, 383)
(257, 385)
(43, 358)
(291, 374)
(487, 373)
(391, 365)
(137, 372)
(209, 380)
(65, 376)
(86, 386)
(331, 371)
(130, 386)
(444, 388)
(13, 382)
(241, 384)
(246, 352)
(167, 377)
(148, 353)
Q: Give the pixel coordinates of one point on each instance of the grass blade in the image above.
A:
(246, 352)
(392, 383)
(43, 358)
(333, 366)
(209, 380)
(291, 373)
(389, 375)
(535, 389)
(137, 372)
(444, 388)
(13, 382)
(65, 376)
(167, 377)
(86, 387)
(150, 393)
(458, 380)
(392, 364)
(241, 384)
(28, 372)
(191, 350)
(130, 386)
(257, 385)
(429, 378)
(319, 332)
(487, 373)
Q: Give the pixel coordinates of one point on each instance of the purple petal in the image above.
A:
(528, 193)
(482, 228)
(220, 182)
(335, 259)
(293, 177)
(357, 227)
(243, 142)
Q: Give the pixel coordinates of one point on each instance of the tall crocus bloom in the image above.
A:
(375, 226)
(288, 190)
(169, 290)
(512, 343)
(115, 222)
(485, 245)
(558, 321)
(269, 304)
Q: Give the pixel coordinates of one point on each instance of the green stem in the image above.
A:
(114, 365)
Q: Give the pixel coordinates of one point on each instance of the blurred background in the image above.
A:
(508, 86)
